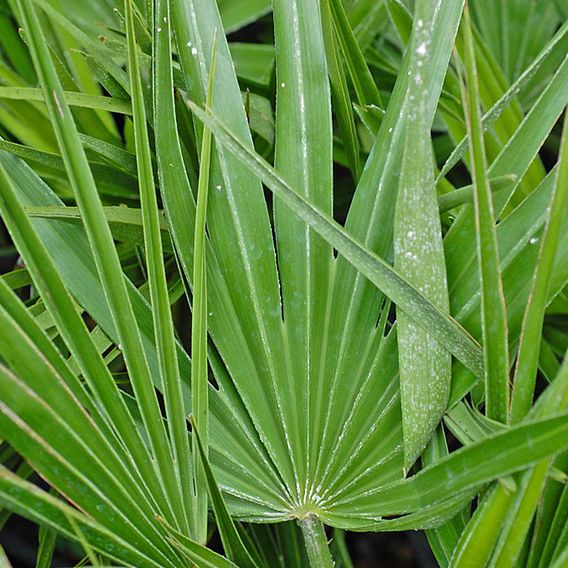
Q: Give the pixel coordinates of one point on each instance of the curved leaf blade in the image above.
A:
(424, 362)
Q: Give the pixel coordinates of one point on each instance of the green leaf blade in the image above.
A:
(232, 542)
(380, 273)
(199, 377)
(494, 316)
(240, 234)
(424, 363)
(529, 348)
(463, 472)
(37, 505)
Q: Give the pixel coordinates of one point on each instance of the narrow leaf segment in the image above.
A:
(493, 309)
(199, 378)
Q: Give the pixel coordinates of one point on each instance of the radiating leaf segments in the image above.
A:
(73, 329)
(256, 457)
(303, 155)
(240, 234)
(25, 497)
(377, 270)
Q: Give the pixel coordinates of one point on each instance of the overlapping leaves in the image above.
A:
(321, 399)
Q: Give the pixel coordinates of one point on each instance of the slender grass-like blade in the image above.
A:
(463, 195)
(47, 540)
(200, 375)
(500, 105)
(529, 348)
(478, 539)
(71, 327)
(365, 87)
(198, 554)
(75, 99)
(37, 431)
(340, 91)
(232, 543)
(103, 249)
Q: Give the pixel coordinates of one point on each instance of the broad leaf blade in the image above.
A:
(424, 363)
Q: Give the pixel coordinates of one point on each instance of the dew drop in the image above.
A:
(533, 240)
(194, 51)
(210, 314)
(283, 85)
(188, 44)
(421, 49)
(219, 187)
(159, 30)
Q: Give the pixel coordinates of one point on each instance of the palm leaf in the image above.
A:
(305, 382)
